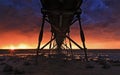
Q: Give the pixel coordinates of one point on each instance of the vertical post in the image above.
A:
(51, 42)
(82, 38)
(70, 42)
(70, 46)
(60, 20)
(40, 38)
(50, 46)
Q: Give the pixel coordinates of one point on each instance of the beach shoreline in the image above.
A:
(27, 66)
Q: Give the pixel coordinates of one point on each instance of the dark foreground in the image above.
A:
(13, 65)
(26, 65)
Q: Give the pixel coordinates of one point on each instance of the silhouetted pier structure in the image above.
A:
(61, 15)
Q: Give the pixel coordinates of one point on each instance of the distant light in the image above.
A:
(12, 48)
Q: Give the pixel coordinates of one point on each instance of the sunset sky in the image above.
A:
(20, 22)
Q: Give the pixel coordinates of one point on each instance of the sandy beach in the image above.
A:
(14, 65)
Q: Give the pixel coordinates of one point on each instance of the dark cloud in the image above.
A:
(94, 11)
(100, 11)
(102, 19)
(21, 13)
(12, 18)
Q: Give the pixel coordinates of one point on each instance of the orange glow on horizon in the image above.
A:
(88, 45)
(20, 46)
(12, 48)
(30, 40)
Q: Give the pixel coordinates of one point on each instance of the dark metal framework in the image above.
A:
(61, 14)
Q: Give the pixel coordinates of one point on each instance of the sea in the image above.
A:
(108, 54)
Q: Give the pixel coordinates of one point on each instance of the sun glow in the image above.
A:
(12, 47)
(23, 46)
(20, 46)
